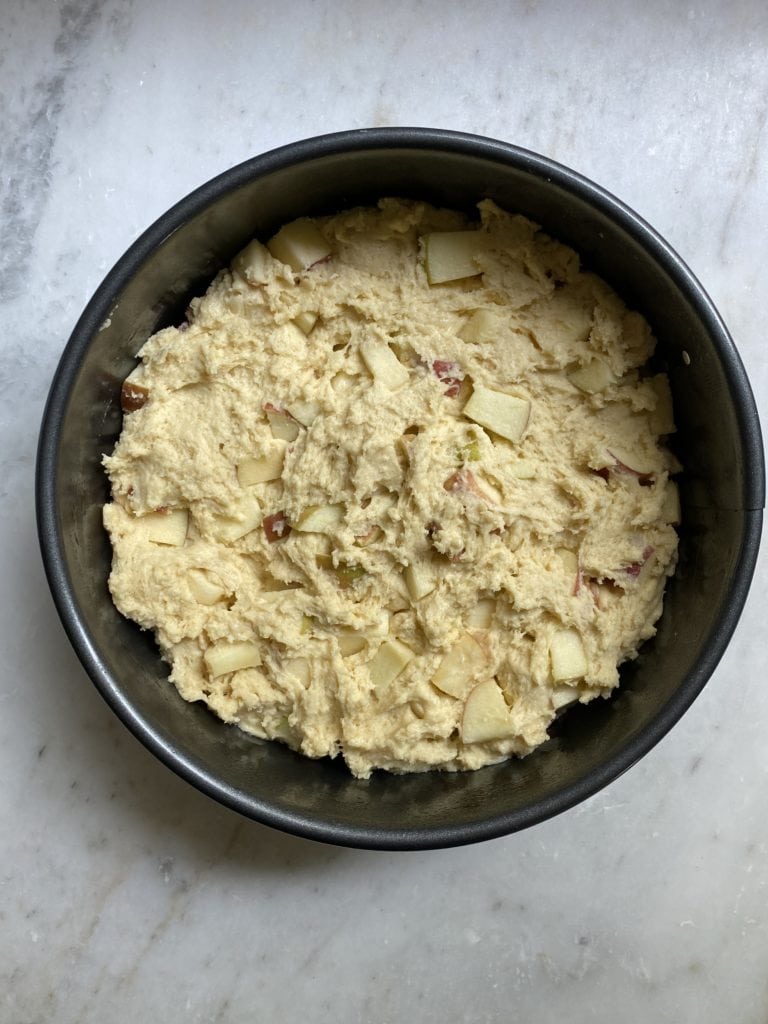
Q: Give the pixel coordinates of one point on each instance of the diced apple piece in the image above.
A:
(380, 627)
(267, 467)
(630, 462)
(134, 394)
(347, 573)
(383, 364)
(169, 528)
(320, 519)
(566, 656)
(398, 602)
(231, 656)
(663, 417)
(323, 545)
(465, 481)
(387, 664)
(281, 729)
(595, 376)
(305, 321)
(562, 696)
(486, 715)
(482, 326)
(369, 537)
(460, 666)
(419, 580)
(418, 708)
(523, 469)
(569, 560)
(232, 528)
(481, 615)
(297, 670)
(283, 426)
(205, 589)
(253, 263)
(483, 488)
(504, 414)
(299, 244)
(451, 255)
(305, 412)
(344, 383)
(351, 643)
(670, 506)
(384, 465)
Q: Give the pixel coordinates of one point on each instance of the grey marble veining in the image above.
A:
(126, 895)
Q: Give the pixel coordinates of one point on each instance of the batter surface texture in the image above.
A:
(398, 488)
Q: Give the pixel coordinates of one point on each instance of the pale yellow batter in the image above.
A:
(398, 490)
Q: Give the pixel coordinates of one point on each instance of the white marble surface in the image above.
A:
(127, 896)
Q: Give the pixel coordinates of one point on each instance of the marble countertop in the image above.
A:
(125, 895)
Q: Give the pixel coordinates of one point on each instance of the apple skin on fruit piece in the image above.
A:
(464, 481)
(387, 664)
(276, 527)
(506, 415)
(261, 470)
(383, 364)
(635, 569)
(450, 374)
(231, 656)
(623, 461)
(299, 244)
(451, 255)
(566, 656)
(460, 666)
(605, 593)
(133, 396)
(486, 715)
(166, 527)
